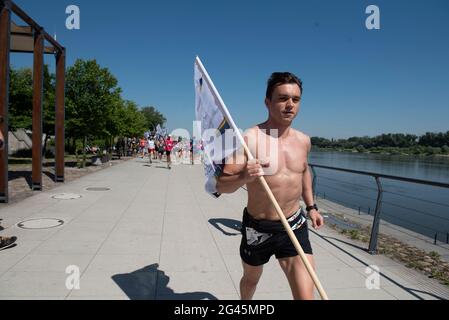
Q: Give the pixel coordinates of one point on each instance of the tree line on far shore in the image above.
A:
(95, 111)
(431, 143)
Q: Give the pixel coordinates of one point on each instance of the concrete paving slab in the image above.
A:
(51, 263)
(157, 235)
(122, 263)
(33, 284)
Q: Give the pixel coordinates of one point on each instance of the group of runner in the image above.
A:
(156, 148)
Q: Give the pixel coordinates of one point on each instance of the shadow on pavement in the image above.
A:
(8, 247)
(349, 244)
(150, 283)
(230, 223)
(27, 175)
(50, 175)
(12, 175)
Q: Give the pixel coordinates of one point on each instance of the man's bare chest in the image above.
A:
(284, 157)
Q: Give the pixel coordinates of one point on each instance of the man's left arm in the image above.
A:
(307, 193)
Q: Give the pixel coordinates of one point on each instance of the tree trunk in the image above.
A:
(112, 146)
(125, 146)
(84, 151)
(73, 146)
(111, 138)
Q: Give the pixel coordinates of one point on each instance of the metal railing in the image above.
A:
(377, 212)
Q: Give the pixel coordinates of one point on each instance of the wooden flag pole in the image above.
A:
(267, 189)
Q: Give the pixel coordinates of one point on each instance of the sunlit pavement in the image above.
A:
(154, 233)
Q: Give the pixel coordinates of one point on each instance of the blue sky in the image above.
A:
(356, 81)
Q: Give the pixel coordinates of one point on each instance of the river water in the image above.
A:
(420, 208)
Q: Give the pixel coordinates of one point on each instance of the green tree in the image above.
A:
(126, 121)
(133, 122)
(320, 142)
(21, 101)
(153, 117)
(92, 93)
(20, 98)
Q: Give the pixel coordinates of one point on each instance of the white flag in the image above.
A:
(219, 142)
(161, 132)
(158, 130)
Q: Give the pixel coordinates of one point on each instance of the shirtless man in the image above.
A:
(262, 232)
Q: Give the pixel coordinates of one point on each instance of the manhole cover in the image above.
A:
(43, 223)
(66, 196)
(97, 189)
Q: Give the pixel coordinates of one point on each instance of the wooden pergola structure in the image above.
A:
(30, 39)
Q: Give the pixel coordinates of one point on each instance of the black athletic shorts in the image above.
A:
(263, 238)
(167, 152)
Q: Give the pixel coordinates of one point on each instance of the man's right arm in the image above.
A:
(238, 171)
(227, 183)
(236, 176)
(232, 177)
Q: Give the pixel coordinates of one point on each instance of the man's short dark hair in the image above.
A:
(280, 78)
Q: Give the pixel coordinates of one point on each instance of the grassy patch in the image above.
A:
(434, 254)
(429, 263)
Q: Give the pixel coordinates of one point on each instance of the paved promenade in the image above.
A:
(155, 234)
